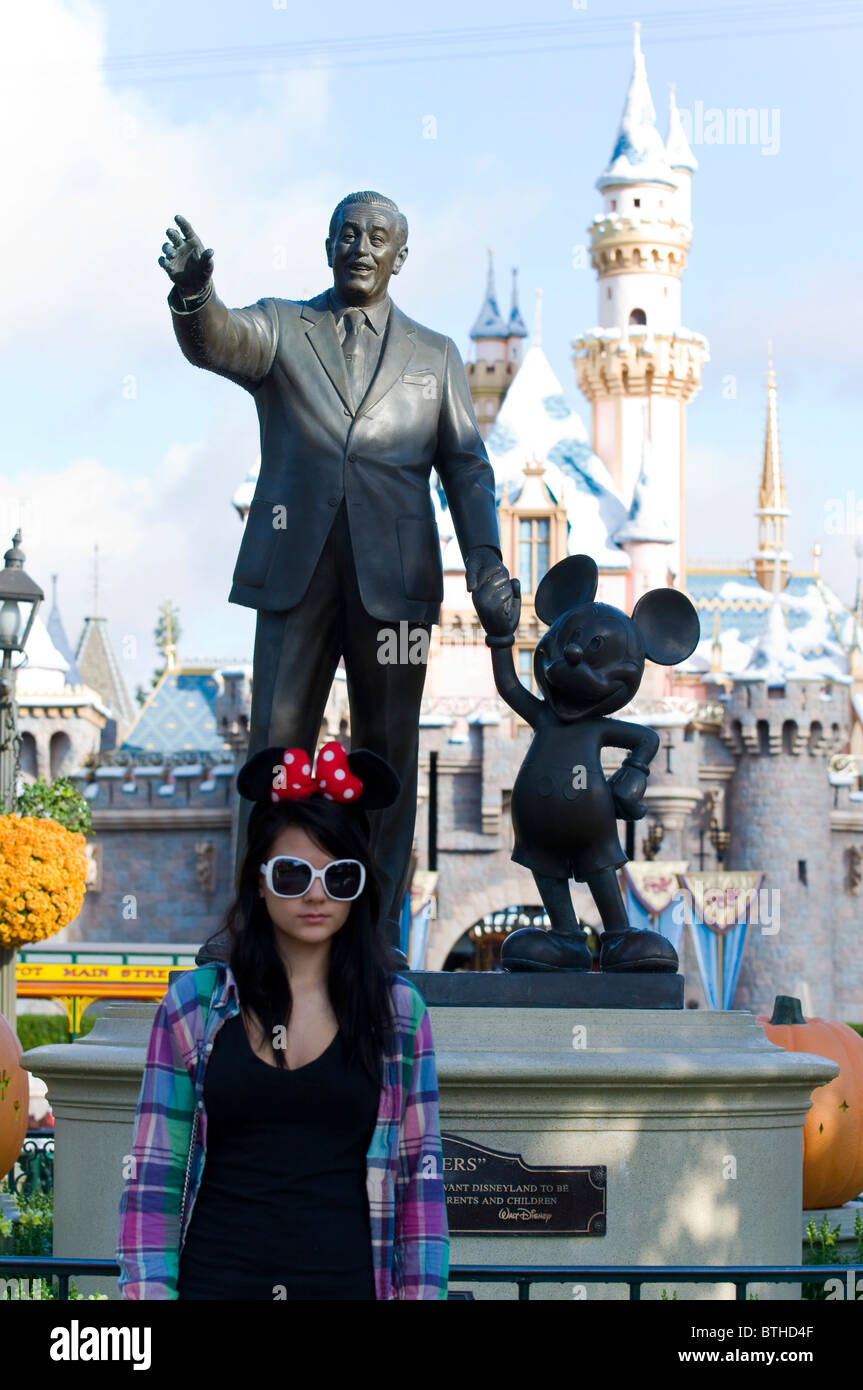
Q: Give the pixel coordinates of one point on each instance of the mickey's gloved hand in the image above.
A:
(628, 787)
(496, 597)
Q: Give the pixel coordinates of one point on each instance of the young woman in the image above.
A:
(287, 1142)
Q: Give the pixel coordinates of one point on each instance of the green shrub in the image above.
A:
(33, 1234)
(34, 1030)
(822, 1242)
(59, 800)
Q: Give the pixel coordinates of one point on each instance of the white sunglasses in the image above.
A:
(288, 877)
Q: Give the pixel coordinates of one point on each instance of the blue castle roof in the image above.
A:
(489, 321)
(811, 617)
(179, 714)
(743, 604)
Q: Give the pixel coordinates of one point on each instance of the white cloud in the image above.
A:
(169, 534)
(97, 172)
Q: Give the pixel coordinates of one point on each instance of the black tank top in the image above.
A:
(282, 1210)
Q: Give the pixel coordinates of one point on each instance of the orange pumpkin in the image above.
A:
(14, 1098)
(833, 1128)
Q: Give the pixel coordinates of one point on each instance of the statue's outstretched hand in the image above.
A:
(184, 258)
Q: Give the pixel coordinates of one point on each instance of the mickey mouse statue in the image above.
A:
(564, 811)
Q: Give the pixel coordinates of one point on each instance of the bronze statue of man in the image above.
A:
(357, 404)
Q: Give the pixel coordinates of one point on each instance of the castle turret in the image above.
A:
(640, 354)
(497, 352)
(680, 158)
(782, 737)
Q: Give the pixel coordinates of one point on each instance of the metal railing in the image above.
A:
(49, 1268)
(35, 1164)
(634, 1276)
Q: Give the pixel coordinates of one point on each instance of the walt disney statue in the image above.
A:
(357, 404)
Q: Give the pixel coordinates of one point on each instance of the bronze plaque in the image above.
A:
(489, 1193)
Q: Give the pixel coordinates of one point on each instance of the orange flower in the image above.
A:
(42, 871)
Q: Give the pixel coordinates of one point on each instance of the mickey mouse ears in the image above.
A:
(381, 784)
(568, 584)
(666, 619)
(668, 624)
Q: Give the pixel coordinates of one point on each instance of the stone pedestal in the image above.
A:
(695, 1115)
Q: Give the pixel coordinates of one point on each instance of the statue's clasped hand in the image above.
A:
(496, 597)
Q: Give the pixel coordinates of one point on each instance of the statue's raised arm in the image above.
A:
(237, 343)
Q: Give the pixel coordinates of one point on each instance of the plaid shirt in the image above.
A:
(404, 1163)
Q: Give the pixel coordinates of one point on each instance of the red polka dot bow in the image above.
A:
(293, 779)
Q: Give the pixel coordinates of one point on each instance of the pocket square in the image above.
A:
(427, 380)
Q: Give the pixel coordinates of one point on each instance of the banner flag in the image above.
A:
(718, 907)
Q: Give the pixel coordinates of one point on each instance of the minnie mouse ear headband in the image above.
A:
(285, 774)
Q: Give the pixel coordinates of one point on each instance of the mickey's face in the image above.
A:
(589, 662)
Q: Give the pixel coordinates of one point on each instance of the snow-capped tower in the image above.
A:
(497, 352)
(639, 353)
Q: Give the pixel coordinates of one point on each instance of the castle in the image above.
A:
(761, 765)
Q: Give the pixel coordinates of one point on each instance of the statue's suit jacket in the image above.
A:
(416, 415)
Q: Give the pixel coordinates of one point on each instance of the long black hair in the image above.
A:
(359, 976)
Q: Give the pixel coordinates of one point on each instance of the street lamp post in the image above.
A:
(17, 591)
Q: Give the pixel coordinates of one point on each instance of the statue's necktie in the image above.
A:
(354, 348)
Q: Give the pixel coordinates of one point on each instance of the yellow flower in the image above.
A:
(42, 871)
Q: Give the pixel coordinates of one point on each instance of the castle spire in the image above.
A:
(678, 151)
(639, 150)
(57, 633)
(716, 647)
(772, 560)
(489, 321)
(516, 328)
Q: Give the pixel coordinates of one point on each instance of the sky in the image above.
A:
(489, 124)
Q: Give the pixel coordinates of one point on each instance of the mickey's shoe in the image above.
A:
(535, 949)
(637, 950)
